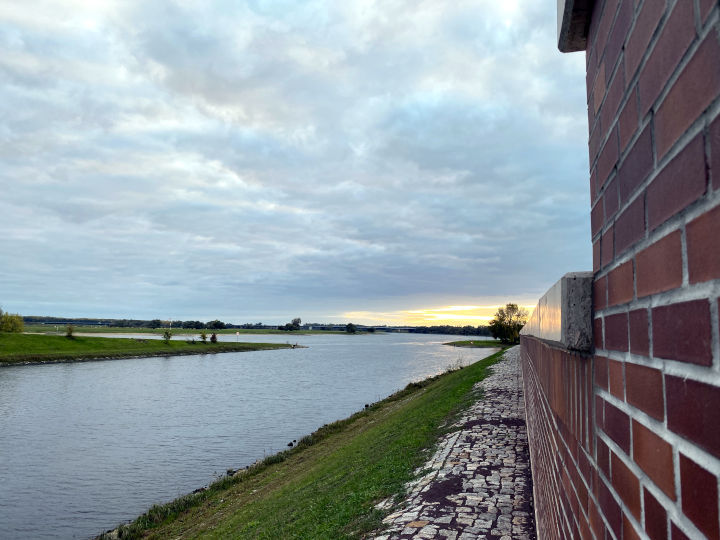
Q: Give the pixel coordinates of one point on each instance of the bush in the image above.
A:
(11, 323)
(167, 334)
(70, 331)
(213, 338)
(203, 337)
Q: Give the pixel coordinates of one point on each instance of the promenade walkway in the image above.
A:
(479, 483)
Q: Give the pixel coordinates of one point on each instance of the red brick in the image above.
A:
(600, 368)
(637, 165)
(596, 218)
(678, 185)
(639, 340)
(628, 122)
(659, 267)
(692, 93)
(610, 508)
(616, 332)
(617, 385)
(613, 97)
(607, 159)
(644, 389)
(596, 522)
(598, 334)
(676, 36)
(620, 284)
(655, 457)
(637, 44)
(626, 485)
(629, 532)
(598, 91)
(705, 8)
(714, 136)
(699, 496)
(596, 255)
(655, 518)
(599, 411)
(600, 293)
(630, 226)
(693, 411)
(605, 24)
(703, 247)
(618, 34)
(607, 249)
(610, 200)
(617, 426)
(596, 134)
(677, 534)
(682, 332)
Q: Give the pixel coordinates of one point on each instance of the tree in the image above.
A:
(155, 323)
(70, 331)
(11, 323)
(203, 337)
(292, 325)
(167, 334)
(508, 322)
(213, 338)
(350, 328)
(215, 325)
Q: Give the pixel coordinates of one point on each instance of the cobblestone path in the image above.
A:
(479, 484)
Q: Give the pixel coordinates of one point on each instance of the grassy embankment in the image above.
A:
(328, 485)
(50, 329)
(477, 343)
(23, 348)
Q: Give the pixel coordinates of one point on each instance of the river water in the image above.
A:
(86, 446)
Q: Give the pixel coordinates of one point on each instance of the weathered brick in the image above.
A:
(610, 200)
(639, 339)
(637, 165)
(703, 246)
(670, 47)
(598, 91)
(618, 34)
(682, 332)
(693, 411)
(655, 457)
(617, 426)
(596, 134)
(699, 496)
(616, 379)
(607, 249)
(605, 24)
(630, 226)
(705, 8)
(697, 86)
(678, 185)
(644, 389)
(620, 284)
(626, 485)
(655, 517)
(638, 41)
(600, 367)
(659, 267)
(628, 122)
(616, 332)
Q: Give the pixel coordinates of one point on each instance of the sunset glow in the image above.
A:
(450, 315)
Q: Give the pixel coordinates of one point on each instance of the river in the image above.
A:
(86, 446)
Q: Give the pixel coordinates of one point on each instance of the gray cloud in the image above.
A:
(259, 160)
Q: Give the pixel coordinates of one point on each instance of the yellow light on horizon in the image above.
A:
(455, 315)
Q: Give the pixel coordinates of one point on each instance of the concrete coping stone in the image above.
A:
(564, 313)
(573, 22)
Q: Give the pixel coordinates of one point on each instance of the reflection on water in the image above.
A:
(86, 446)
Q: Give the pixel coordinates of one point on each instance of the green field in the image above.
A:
(478, 343)
(328, 485)
(36, 348)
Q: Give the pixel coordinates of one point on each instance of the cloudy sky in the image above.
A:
(399, 161)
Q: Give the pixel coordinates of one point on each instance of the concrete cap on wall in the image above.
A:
(564, 313)
(573, 21)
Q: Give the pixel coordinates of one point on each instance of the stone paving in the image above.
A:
(479, 483)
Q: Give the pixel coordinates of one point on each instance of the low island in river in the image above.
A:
(17, 349)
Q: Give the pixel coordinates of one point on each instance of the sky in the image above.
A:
(394, 161)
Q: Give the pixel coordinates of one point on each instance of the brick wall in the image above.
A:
(626, 442)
